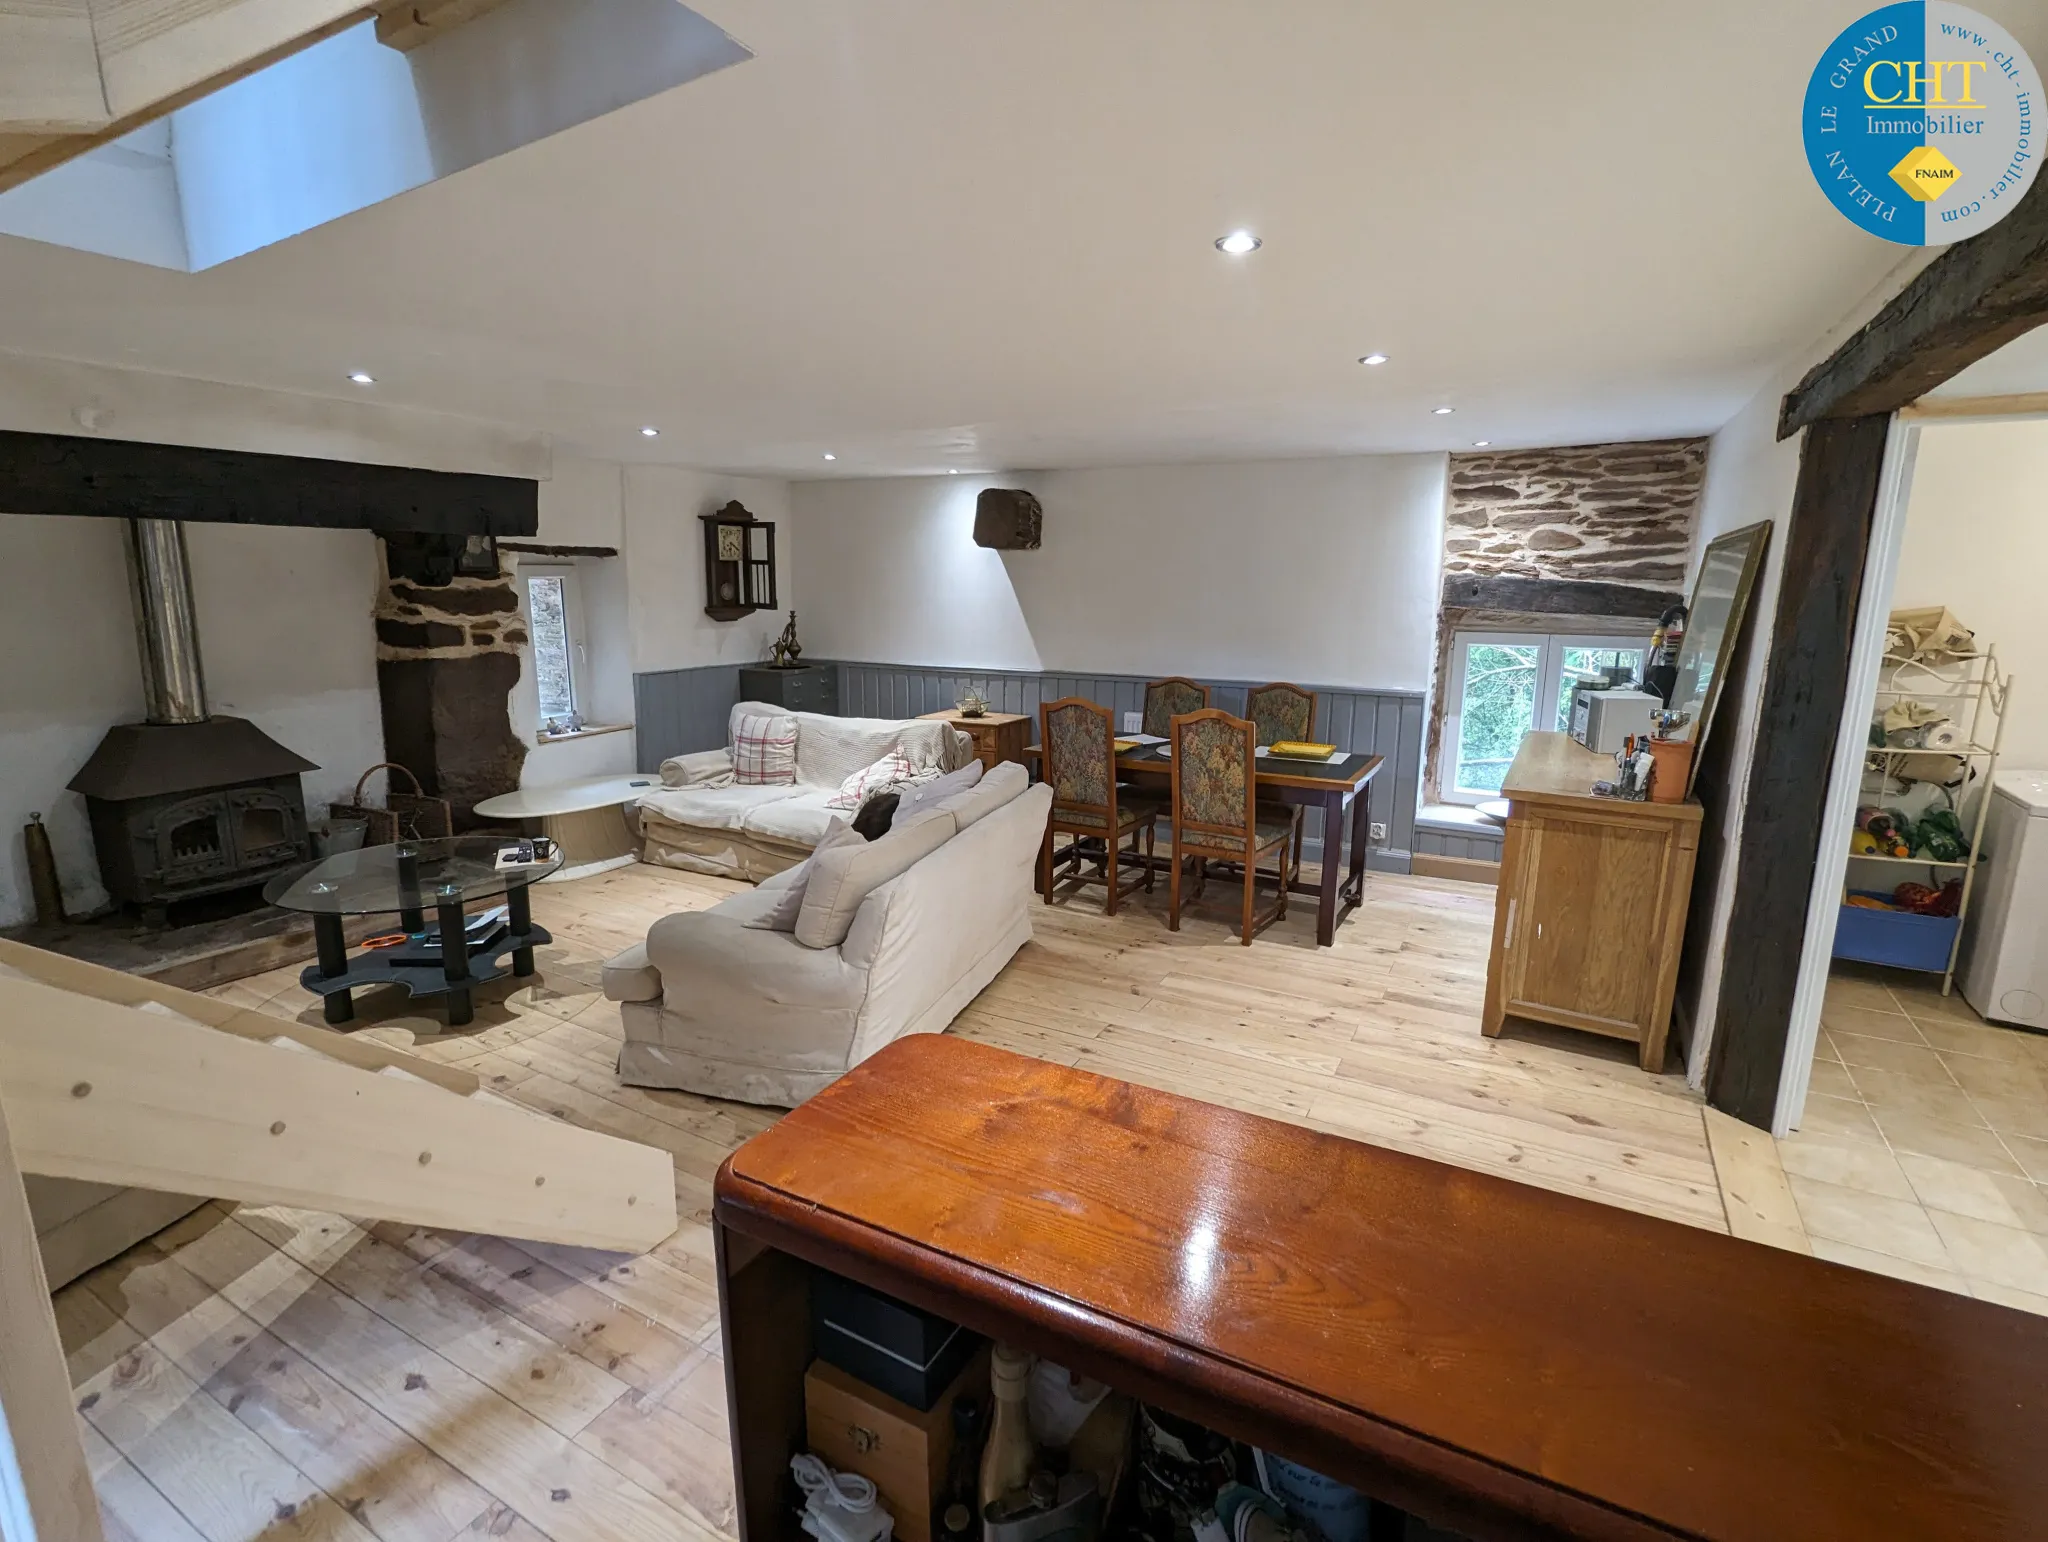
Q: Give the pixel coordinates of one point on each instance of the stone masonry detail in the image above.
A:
(1622, 513)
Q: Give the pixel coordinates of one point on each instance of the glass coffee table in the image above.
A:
(409, 880)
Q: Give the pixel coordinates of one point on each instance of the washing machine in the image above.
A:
(2004, 965)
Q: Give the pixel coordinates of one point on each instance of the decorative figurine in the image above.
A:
(786, 650)
(973, 704)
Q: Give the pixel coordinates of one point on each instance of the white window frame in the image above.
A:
(1549, 679)
(579, 652)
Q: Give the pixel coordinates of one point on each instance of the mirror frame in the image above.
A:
(1756, 540)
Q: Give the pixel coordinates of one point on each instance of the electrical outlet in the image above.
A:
(1379, 832)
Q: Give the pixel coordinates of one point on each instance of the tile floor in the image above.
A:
(1924, 1151)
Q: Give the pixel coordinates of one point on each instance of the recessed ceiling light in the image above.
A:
(650, 432)
(830, 456)
(1374, 358)
(1480, 444)
(1443, 412)
(362, 379)
(1238, 242)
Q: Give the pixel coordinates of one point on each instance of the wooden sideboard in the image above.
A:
(1499, 1359)
(998, 736)
(1590, 912)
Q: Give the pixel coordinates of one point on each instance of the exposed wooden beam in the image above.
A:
(406, 26)
(1972, 300)
(110, 1094)
(2025, 404)
(151, 50)
(43, 1476)
(1805, 682)
(120, 478)
(1556, 596)
(49, 67)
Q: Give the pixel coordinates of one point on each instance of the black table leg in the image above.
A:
(332, 949)
(455, 959)
(1333, 861)
(1361, 840)
(412, 919)
(519, 916)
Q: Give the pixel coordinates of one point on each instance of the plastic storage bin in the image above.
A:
(1895, 937)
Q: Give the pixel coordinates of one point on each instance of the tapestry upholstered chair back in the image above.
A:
(1166, 700)
(1080, 759)
(1079, 763)
(1280, 712)
(1217, 815)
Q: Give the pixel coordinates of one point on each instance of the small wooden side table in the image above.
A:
(998, 736)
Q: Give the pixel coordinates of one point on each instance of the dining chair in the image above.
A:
(1079, 761)
(1282, 711)
(1167, 699)
(1217, 813)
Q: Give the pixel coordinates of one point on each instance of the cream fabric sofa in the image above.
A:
(700, 820)
(711, 1005)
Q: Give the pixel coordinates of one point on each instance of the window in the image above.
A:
(1504, 684)
(555, 623)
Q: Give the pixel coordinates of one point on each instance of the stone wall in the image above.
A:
(448, 658)
(1621, 513)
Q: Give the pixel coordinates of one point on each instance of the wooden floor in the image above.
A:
(277, 1373)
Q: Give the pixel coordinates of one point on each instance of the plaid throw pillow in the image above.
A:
(891, 770)
(764, 751)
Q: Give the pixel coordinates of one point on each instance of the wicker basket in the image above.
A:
(406, 816)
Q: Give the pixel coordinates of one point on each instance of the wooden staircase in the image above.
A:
(113, 1079)
(108, 1078)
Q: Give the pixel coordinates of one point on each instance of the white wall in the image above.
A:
(664, 554)
(1977, 541)
(1320, 571)
(287, 642)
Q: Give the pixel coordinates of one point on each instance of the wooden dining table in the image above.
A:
(1334, 786)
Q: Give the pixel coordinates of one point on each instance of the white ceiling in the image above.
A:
(922, 234)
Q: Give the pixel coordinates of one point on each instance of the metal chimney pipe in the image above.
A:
(166, 624)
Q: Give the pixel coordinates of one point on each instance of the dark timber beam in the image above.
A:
(1805, 687)
(118, 478)
(1556, 597)
(1972, 300)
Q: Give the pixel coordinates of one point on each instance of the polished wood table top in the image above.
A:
(1554, 770)
(1575, 1369)
(1351, 771)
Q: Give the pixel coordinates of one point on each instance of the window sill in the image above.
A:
(1455, 816)
(590, 732)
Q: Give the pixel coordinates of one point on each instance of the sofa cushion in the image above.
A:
(846, 875)
(713, 808)
(801, 819)
(930, 794)
(890, 772)
(764, 751)
(831, 749)
(1006, 782)
(629, 977)
(788, 901)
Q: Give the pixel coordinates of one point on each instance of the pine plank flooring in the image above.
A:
(265, 1372)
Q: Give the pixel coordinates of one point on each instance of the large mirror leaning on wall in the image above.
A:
(1720, 599)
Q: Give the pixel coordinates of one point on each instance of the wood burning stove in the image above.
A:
(186, 804)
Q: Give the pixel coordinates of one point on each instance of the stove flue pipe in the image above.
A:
(166, 624)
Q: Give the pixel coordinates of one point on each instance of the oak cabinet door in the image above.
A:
(1588, 920)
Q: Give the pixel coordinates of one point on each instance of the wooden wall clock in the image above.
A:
(739, 563)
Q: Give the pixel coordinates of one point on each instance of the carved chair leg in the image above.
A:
(1045, 865)
(1173, 891)
(1251, 873)
(1112, 845)
(1151, 829)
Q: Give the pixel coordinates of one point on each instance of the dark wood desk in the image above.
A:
(1331, 786)
(1505, 1361)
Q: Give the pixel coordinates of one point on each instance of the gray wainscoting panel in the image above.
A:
(676, 711)
(681, 710)
(1473, 845)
